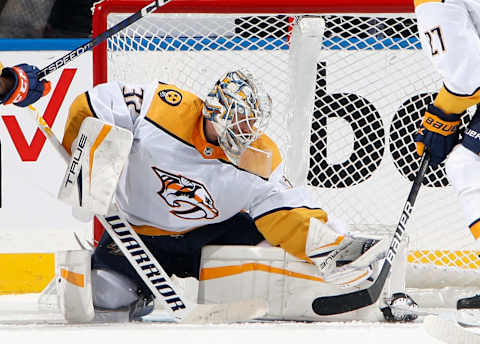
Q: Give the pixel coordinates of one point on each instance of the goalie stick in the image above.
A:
(336, 304)
(152, 272)
(59, 63)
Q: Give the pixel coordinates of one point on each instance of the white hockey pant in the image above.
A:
(462, 167)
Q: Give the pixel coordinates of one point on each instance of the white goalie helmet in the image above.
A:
(239, 109)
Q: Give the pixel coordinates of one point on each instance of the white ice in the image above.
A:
(21, 320)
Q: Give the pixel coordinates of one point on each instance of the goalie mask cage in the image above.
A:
(349, 84)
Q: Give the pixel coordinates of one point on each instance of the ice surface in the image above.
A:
(21, 320)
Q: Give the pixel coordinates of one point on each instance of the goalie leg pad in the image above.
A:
(74, 292)
(287, 283)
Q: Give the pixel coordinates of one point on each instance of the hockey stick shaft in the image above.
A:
(330, 305)
(59, 63)
(130, 244)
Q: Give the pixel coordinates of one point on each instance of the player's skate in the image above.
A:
(343, 260)
(400, 308)
(468, 310)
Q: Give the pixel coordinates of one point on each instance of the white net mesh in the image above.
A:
(193, 50)
(372, 84)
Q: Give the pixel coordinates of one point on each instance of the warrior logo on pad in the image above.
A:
(189, 199)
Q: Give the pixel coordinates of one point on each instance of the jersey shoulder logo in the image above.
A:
(171, 97)
(189, 199)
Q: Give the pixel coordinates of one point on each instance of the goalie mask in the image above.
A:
(239, 109)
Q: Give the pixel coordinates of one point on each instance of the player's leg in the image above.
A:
(462, 166)
(117, 298)
(73, 285)
(238, 230)
(118, 293)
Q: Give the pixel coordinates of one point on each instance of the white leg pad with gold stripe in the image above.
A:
(288, 284)
(74, 289)
(99, 154)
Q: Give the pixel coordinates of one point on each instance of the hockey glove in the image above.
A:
(438, 134)
(27, 89)
(343, 260)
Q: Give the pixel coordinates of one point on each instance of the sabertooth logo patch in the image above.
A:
(189, 199)
(171, 97)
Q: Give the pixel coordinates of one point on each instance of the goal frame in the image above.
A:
(103, 8)
(420, 257)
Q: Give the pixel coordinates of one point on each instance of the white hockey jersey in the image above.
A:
(450, 36)
(176, 181)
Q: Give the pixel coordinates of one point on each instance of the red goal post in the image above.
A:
(347, 101)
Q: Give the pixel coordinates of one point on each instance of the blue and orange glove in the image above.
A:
(27, 89)
(438, 134)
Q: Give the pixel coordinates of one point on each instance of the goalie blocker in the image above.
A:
(98, 155)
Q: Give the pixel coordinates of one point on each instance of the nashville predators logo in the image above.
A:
(189, 199)
(171, 97)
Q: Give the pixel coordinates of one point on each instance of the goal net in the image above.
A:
(349, 84)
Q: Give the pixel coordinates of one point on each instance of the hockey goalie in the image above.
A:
(202, 185)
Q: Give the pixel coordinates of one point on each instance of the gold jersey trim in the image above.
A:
(288, 228)
(419, 2)
(449, 102)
